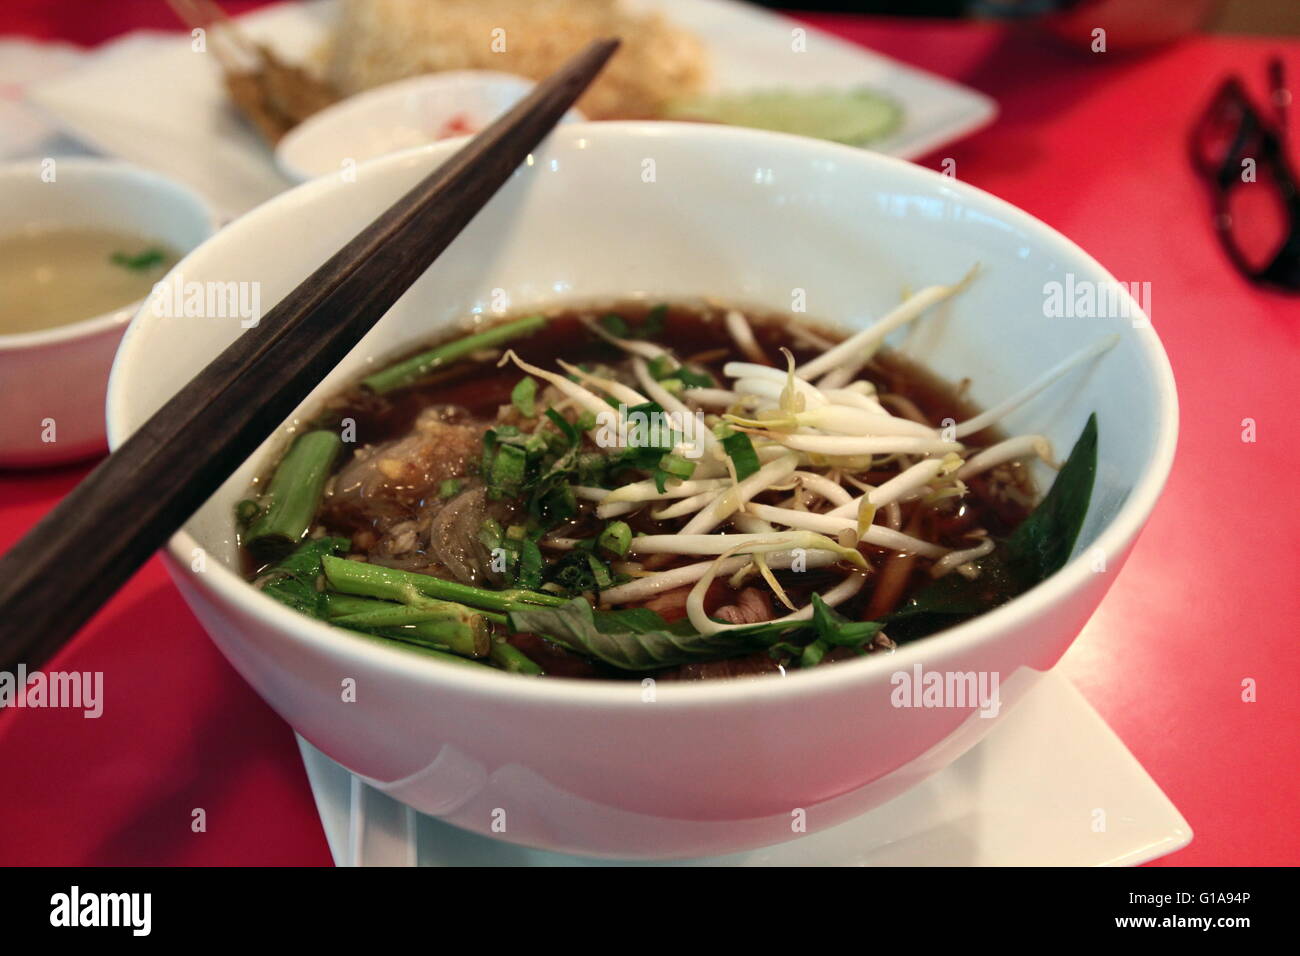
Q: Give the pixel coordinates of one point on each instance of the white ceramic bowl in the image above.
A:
(398, 116)
(751, 217)
(61, 374)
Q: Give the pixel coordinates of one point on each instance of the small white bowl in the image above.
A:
(755, 218)
(398, 116)
(60, 374)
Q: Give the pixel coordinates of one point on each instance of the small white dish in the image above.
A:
(53, 381)
(397, 116)
(1052, 786)
(152, 99)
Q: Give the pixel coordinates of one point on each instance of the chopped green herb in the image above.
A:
(141, 261)
(693, 379)
(616, 538)
(615, 325)
(524, 397)
(449, 487)
(741, 452)
(508, 471)
(655, 320)
(490, 533)
(677, 466)
(529, 572)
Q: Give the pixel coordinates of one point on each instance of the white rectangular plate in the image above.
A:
(149, 98)
(1051, 786)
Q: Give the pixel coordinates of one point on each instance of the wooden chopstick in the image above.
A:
(81, 552)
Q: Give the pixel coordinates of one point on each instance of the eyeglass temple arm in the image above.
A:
(1279, 94)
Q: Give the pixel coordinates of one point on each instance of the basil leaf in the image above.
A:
(293, 580)
(835, 629)
(1037, 549)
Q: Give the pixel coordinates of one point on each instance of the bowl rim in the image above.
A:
(113, 170)
(224, 585)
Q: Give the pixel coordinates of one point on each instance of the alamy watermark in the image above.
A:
(77, 690)
(637, 428)
(963, 690)
(1076, 298)
(174, 298)
(128, 910)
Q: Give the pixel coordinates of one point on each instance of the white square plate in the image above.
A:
(150, 99)
(1051, 786)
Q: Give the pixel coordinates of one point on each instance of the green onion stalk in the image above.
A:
(439, 624)
(371, 580)
(512, 659)
(294, 494)
(418, 366)
(422, 649)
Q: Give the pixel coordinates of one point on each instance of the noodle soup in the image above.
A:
(499, 500)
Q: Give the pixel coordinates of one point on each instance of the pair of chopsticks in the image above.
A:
(81, 552)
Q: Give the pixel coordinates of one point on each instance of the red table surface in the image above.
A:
(1093, 145)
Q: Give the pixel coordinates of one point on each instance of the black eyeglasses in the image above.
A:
(1256, 199)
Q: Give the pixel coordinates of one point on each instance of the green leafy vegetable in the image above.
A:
(1037, 549)
(294, 580)
(834, 628)
(637, 639)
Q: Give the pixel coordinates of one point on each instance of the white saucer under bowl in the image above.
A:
(1051, 786)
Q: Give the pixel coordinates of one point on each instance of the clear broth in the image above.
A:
(55, 277)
